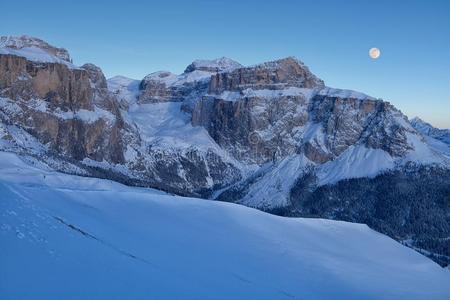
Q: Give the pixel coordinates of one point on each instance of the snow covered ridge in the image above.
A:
(126, 89)
(222, 64)
(294, 91)
(88, 116)
(64, 236)
(34, 49)
(341, 93)
(170, 79)
(198, 70)
(427, 129)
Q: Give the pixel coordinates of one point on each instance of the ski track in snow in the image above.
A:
(61, 242)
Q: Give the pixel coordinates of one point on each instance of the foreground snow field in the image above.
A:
(69, 237)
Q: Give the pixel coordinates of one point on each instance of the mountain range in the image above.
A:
(270, 136)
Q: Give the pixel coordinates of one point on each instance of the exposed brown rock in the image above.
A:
(56, 83)
(96, 76)
(272, 75)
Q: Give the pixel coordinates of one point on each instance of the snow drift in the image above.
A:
(69, 237)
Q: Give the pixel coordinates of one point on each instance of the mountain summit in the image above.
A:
(27, 46)
(214, 65)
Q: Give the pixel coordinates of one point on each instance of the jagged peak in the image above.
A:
(26, 41)
(213, 65)
(344, 93)
(95, 75)
(418, 120)
(290, 60)
(418, 123)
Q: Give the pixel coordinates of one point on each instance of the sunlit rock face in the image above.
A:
(56, 83)
(279, 74)
(54, 101)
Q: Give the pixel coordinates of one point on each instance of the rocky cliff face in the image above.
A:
(279, 74)
(68, 112)
(265, 136)
(357, 119)
(164, 86)
(54, 102)
(280, 108)
(56, 83)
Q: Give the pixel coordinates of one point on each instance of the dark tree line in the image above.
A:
(409, 204)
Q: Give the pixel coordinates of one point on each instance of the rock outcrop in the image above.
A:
(214, 66)
(28, 42)
(164, 86)
(59, 85)
(56, 102)
(275, 75)
(96, 76)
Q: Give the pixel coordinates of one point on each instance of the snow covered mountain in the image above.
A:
(271, 136)
(69, 237)
(428, 130)
(34, 49)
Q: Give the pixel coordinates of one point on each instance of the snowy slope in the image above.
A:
(126, 89)
(68, 237)
(272, 189)
(355, 162)
(427, 129)
(166, 125)
(36, 54)
(214, 65)
(34, 49)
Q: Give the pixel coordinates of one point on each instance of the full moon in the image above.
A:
(374, 53)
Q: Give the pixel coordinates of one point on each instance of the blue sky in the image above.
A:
(134, 38)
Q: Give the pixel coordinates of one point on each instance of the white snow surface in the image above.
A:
(69, 237)
(425, 153)
(428, 130)
(273, 188)
(126, 89)
(359, 161)
(88, 116)
(170, 79)
(267, 94)
(166, 125)
(220, 64)
(438, 146)
(295, 91)
(356, 162)
(196, 74)
(342, 93)
(36, 54)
